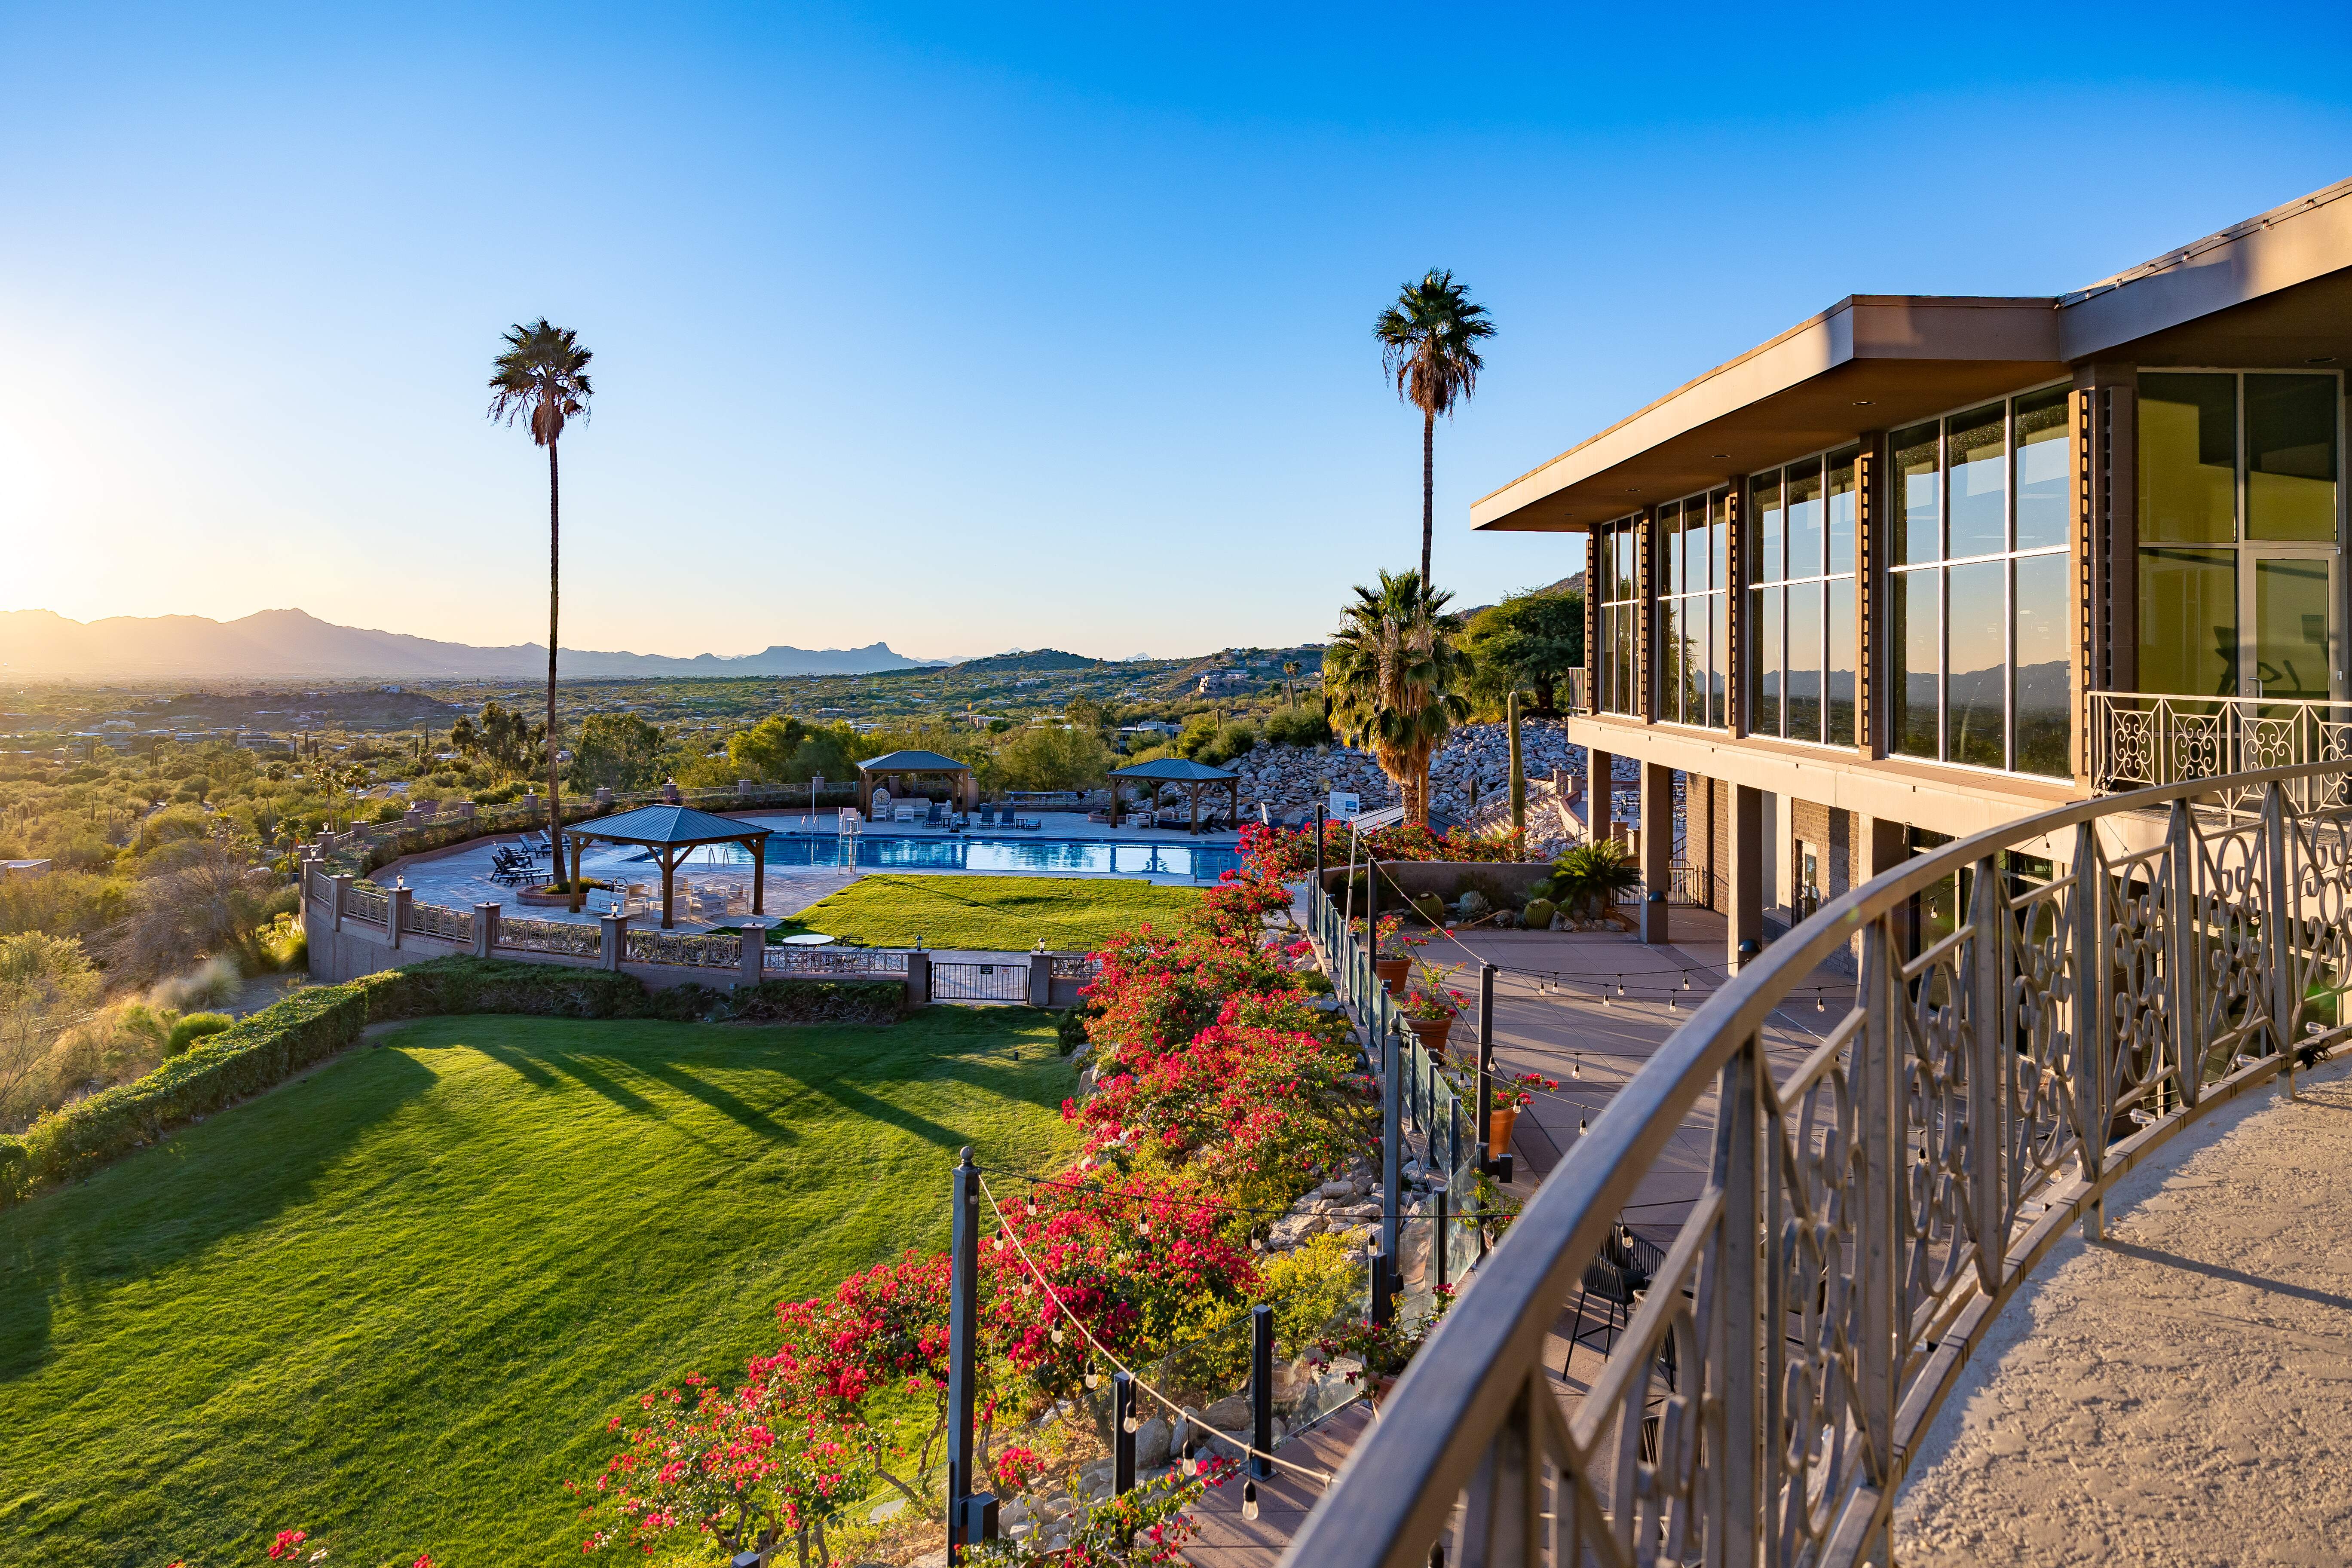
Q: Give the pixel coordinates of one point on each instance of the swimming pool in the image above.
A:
(1098, 857)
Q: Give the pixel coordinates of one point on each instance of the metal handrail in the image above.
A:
(1866, 1217)
(2139, 738)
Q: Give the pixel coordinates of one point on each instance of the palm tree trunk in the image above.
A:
(1428, 488)
(554, 558)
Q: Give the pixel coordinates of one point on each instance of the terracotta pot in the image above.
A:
(1380, 1389)
(1498, 1130)
(1392, 971)
(1432, 1034)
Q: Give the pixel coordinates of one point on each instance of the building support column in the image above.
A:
(1744, 920)
(1598, 767)
(1657, 848)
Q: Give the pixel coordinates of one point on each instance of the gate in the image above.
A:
(980, 982)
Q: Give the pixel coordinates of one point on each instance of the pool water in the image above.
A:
(977, 853)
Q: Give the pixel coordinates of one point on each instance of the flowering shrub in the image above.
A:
(1286, 854)
(1519, 1089)
(1383, 1349)
(1426, 1001)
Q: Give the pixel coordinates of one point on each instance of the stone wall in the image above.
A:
(1292, 779)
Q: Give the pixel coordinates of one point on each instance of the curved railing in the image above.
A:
(1866, 1217)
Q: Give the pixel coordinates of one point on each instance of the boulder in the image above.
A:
(1337, 1190)
(1152, 1440)
(1231, 1413)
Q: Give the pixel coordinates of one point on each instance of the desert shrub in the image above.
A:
(1298, 727)
(192, 1027)
(1429, 907)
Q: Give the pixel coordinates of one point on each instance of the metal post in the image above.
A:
(2184, 946)
(1262, 1391)
(1884, 1181)
(1123, 1423)
(1741, 1169)
(1438, 1243)
(1486, 1065)
(1988, 1057)
(2094, 1046)
(1318, 883)
(2279, 942)
(971, 1518)
(1392, 1146)
(1383, 1301)
(1518, 771)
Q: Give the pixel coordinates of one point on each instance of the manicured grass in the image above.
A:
(392, 1302)
(1000, 914)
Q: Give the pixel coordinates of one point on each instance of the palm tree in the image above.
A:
(1395, 676)
(1290, 676)
(543, 378)
(1429, 342)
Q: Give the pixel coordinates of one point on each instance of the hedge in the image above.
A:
(266, 1048)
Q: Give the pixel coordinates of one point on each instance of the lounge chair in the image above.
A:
(988, 817)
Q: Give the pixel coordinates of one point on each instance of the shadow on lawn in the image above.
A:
(137, 1218)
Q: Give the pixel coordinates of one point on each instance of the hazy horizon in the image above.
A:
(963, 331)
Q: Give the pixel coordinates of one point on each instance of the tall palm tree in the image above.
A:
(542, 379)
(1289, 688)
(1396, 673)
(1429, 342)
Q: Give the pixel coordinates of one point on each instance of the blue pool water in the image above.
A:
(969, 853)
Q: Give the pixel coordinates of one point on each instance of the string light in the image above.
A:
(1130, 1423)
(1819, 1006)
(1576, 1067)
(1057, 1333)
(1249, 1499)
(1094, 1378)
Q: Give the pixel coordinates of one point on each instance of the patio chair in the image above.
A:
(988, 817)
(1616, 1276)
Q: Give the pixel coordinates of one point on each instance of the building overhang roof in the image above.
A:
(667, 825)
(2274, 290)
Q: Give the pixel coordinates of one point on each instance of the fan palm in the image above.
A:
(1396, 673)
(1429, 342)
(542, 379)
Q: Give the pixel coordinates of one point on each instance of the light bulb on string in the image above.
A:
(1686, 979)
(1143, 1225)
(1621, 985)
(1604, 999)
(1130, 1423)
(1057, 1333)
(1249, 1499)
(1579, 1127)
(1094, 1378)
(1032, 1207)
(1576, 1067)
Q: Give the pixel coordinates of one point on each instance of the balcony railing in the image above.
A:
(1864, 1217)
(2142, 739)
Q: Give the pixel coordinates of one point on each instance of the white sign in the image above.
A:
(1345, 805)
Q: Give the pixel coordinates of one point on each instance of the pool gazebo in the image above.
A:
(897, 765)
(1186, 774)
(671, 832)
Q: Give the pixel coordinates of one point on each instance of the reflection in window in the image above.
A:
(1977, 447)
(2291, 456)
(2188, 458)
(1843, 648)
(1764, 665)
(1614, 679)
(2189, 622)
(2045, 486)
(1693, 654)
(1962, 689)
(1804, 521)
(2044, 618)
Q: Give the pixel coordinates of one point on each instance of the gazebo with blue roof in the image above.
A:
(895, 765)
(1186, 774)
(671, 832)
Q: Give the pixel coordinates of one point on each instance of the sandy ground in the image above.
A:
(2182, 1394)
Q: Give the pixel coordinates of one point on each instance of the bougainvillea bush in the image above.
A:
(1223, 1090)
(1288, 854)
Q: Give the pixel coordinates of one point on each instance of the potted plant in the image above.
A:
(1430, 1008)
(1513, 1094)
(1392, 954)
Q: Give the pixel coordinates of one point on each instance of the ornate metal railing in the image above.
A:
(849, 960)
(686, 949)
(2141, 738)
(367, 904)
(1866, 1217)
(551, 936)
(1074, 966)
(431, 919)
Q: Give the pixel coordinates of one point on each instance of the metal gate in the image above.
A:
(979, 982)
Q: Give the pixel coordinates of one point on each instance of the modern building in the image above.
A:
(1921, 565)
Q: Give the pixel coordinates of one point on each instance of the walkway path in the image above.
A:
(2181, 1394)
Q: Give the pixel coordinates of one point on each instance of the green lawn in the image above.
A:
(392, 1302)
(1001, 914)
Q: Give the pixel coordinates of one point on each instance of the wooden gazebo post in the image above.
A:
(758, 875)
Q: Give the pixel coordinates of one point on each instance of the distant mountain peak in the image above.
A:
(293, 642)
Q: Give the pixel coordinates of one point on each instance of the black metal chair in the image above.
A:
(1615, 1276)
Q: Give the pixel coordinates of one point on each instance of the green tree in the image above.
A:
(1396, 675)
(616, 750)
(1429, 342)
(767, 749)
(1050, 757)
(45, 983)
(542, 380)
(1528, 643)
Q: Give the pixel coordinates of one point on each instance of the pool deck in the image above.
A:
(459, 877)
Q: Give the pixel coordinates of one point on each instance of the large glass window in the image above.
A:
(1693, 657)
(1613, 687)
(1800, 672)
(2238, 508)
(1977, 589)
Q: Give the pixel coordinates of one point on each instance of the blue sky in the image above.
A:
(966, 328)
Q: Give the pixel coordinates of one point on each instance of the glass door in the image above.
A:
(2294, 653)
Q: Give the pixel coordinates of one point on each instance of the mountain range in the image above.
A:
(43, 645)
